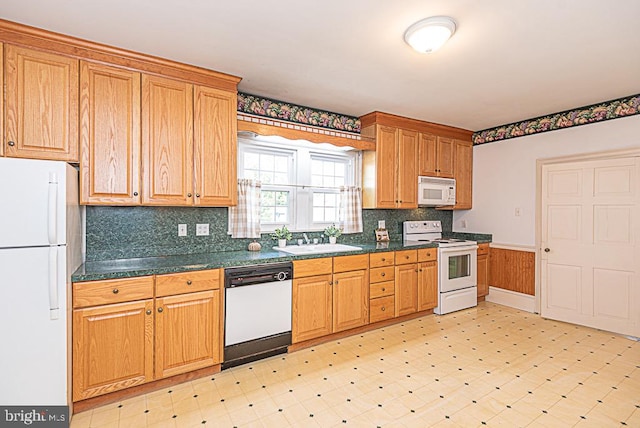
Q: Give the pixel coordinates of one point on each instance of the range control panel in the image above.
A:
(420, 226)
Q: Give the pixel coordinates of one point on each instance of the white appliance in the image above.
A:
(434, 191)
(457, 265)
(257, 312)
(40, 247)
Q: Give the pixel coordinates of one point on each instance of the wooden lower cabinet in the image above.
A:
(427, 285)
(186, 332)
(483, 269)
(112, 348)
(312, 307)
(350, 300)
(406, 289)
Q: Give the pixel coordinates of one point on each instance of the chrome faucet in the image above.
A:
(306, 238)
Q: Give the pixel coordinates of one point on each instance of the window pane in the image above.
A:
(267, 162)
(267, 198)
(280, 178)
(281, 164)
(251, 161)
(339, 181)
(266, 177)
(282, 198)
(340, 167)
(316, 180)
(318, 214)
(267, 214)
(318, 199)
(282, 214)
(330, 214)
(328, 168)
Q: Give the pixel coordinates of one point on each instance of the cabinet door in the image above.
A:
(406, 298)
(112, 348)
(445, 154)
(350, 300)
(187, 332)
(407, 184)
(311, 312)
(167, 141)
(386, 164)
(109, 135)
(427, 155)
(41, 105)
(215, 143)
(1, 101)
(483, 275)
(463, 174)
(427, 285)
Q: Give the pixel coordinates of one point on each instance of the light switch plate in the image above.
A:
(182, 229)
(202, 229)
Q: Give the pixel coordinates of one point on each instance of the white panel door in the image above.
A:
(591, 256)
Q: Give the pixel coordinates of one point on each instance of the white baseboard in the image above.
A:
(524, 302)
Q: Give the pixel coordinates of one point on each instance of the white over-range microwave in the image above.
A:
(436, 192)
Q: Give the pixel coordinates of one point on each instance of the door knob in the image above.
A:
(546, 250)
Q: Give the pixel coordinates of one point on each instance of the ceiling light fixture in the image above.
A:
(429, 34)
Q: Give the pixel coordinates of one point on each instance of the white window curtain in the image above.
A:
(244, 218)
(351, 209)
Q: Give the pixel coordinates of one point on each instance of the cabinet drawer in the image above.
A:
(381, 308)
(483, 249)
(95, 293)
(406, 256)
(187, 282)
(381, 259)
(381, 274)
(349, 263)
(427, 254)
(381, 289)
(311, 267)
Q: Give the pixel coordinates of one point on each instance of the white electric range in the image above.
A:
(457, 265)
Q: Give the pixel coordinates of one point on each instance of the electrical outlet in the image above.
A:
(202, 229)
(182, 229)
(518, 212)
(381, 224)
(463, 223)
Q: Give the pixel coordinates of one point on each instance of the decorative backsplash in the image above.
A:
(614, 109)
(131, 232)
(288, 112)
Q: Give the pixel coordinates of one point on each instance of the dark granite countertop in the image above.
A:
(125, 268)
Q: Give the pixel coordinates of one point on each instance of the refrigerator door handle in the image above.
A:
(53, 209)
(53, 283)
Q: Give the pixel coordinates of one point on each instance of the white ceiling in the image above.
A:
(509, 59)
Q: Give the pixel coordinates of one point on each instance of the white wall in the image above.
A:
(504, 175)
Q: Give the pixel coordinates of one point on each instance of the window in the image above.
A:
(300, 180)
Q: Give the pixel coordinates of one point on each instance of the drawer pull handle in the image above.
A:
(160, 309)
(384, 260)
(189, 282)
(406, 257)
(383, 274)
(148, 312)
(383, 309)
(116, 291)
(383, 289)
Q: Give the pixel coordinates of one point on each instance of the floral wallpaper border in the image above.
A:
(283, 111)
(614, 109)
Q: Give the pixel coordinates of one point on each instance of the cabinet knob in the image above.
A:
(148, 312)
(11, 143)
(383, 274)
(160, 309)
(383, 289)
(116, 291)
(135, 193)
(188, 195)
(197, 195)
(189, 282)
(417, 270)
(336, 282)
(406, 257)
(330, 282)
(546, 250)
(383, 259)
(383, 309)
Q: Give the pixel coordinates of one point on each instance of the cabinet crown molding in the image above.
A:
(387, 119)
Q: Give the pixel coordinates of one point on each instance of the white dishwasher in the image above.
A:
(257, 312)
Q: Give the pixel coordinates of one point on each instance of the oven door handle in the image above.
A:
(460, 249)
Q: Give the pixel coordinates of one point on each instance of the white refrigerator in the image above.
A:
(40, 247)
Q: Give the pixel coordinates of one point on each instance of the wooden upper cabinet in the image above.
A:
(407, 174)
(41, 105)
(215, 147)
(463, 172)
(435, 156)
(387, 163)
(1, 101)
(167, 141)
(109, 135)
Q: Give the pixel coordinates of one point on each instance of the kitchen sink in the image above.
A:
(298, 250)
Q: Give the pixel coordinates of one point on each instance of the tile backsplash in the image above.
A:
(131, 232)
